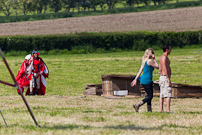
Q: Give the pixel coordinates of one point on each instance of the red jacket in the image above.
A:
(21, 77)
(38, 65)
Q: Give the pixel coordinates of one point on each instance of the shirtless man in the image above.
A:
(164, 80)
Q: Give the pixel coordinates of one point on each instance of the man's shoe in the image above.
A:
(170, 112)
(37, 93)
(31, 94)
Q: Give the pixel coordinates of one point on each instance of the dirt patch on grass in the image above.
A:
(185, 19)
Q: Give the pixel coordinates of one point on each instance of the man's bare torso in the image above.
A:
(164, 65)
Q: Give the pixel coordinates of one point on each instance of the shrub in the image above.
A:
(98, 42)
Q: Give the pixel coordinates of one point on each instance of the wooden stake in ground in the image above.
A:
(16, 85)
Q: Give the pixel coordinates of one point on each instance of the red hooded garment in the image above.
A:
(22, 77)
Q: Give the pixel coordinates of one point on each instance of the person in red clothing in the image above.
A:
(37, 70)
(24, 72)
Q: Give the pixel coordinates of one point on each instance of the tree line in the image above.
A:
(15, 7)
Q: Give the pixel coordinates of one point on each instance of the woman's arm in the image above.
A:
(153, 62)
(138, 74)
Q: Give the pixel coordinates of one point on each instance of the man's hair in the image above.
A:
(35, 51)
(165, 47)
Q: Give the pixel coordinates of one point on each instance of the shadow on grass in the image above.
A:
(120, 127)
(185, 112)
(51, 127)
(69, 126)
(133, 127)
(117, 127)
(74, 127)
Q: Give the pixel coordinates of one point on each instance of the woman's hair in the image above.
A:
(147, 55)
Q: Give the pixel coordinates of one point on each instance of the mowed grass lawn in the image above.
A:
(64, 109)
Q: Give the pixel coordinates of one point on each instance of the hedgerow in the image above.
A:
(94, 42)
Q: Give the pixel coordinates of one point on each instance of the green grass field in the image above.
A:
(64, 109)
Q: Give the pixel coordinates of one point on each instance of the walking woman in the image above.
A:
(148, 65)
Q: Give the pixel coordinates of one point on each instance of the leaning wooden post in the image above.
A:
(16, 85)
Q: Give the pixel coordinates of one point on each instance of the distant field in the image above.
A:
(185, 19)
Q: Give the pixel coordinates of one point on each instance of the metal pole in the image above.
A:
(3, 118)
(16, 84)
(9, 84)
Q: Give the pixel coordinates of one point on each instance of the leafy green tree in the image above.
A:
(40, 5)
(16, 6)
(137, 2)
(78, 4)
(56, 5)
(68, 4)
(25, 6)
(6, 7)
(154, 1)
(94, 4)
(32, 7)
(102, 3)
(130, 2)
(112, 3)
(85, 4)
(145, 2)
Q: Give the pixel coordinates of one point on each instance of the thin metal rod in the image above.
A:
(30, 111)
(4, 59)
(9, 84)
(3, 118)
(16, 84)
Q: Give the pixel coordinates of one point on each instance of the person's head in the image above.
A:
(147, 55)
(167, 48)
(35, 53)
(27, 58)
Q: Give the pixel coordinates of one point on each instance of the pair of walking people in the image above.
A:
(147, 67)
(32, 74)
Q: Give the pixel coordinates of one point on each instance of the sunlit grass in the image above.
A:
(64, 109)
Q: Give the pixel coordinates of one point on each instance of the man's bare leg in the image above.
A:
(161, 104)
(31, 90)
(168, 103)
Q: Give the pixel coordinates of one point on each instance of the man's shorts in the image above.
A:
(165, 90)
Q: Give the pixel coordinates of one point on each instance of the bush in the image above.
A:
(97, 42)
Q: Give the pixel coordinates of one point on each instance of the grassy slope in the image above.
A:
(70, 113)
